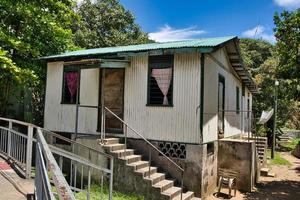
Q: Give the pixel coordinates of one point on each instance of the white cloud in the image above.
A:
(167, 33)
(259, 32)
(288, 3)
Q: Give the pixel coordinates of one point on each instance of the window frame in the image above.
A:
(171, 89)
(69, 69)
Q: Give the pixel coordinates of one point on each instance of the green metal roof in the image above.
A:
(204, 45)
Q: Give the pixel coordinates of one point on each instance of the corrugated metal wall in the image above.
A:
(61, 117)
(179, 123)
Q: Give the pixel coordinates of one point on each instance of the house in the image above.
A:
(182, 96)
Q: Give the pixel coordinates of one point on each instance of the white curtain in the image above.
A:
(163, 78)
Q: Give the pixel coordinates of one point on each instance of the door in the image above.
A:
(221, 106)
(113, 93)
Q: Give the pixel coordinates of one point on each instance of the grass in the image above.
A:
(96, 194)
(278, 160)
(290, 145)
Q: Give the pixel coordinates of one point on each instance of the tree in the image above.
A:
(11, 76)
(287, 33)
(33, 28)
(106, 23)
(255, 52)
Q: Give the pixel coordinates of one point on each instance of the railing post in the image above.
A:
(181, 185)
(29, 151)
(9, 139)
(149, 161)
(125, 133)
(111, 178)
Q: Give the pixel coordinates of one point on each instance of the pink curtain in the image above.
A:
(71, 78)
(163, 78)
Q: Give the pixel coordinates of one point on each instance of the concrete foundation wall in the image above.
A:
(239, 156)
(209, 169)
(192, 164)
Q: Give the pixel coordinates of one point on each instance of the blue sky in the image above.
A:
(170, 20)
(167, 20)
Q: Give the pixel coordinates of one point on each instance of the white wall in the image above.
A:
(61, 117)
(178, 123)
(232, 119)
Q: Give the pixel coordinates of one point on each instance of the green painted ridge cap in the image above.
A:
(204, 43)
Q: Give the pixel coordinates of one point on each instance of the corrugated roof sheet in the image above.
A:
(197, 43)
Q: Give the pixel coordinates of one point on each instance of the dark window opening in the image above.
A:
(210, 148)
(237, 100)
(160, 80)
(70, 82)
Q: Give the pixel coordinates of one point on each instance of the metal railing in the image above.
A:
(16, 139)
(53, 162)
(126, 127)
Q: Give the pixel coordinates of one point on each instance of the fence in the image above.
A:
(53, 163)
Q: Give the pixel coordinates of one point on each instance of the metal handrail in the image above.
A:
(77, 143)
(149, 143)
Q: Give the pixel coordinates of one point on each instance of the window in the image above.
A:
(70, 81)
(160, 80)
(237, 100)
(210, 148)
(248, 106)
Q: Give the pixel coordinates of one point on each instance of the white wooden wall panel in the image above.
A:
(61, 117)
(179, 123)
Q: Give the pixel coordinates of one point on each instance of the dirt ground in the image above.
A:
(284, 186)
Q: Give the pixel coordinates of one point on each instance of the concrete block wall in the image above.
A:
(240, 156)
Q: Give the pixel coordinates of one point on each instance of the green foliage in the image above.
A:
(290, 145)
(281, 61)
(11, 77)
(30, 29)
(106, 23)
(255, 52)
(96, 193)
(287, 32)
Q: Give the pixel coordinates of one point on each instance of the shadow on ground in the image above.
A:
(276, 190)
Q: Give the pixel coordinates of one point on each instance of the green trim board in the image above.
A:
(202, 63)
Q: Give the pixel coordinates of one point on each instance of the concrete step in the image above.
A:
(145, 171)
(264, 171)
(172, 192)
(155, 178)
(131, 159)
(114, 147)
(110, 141)
(139, 164)
(121, 153)
(158, 180)
(164, 185)
(185, 196)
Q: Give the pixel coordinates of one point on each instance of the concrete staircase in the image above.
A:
(158, 181)
(261, 148)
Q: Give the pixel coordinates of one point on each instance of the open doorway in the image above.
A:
(221, 106)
